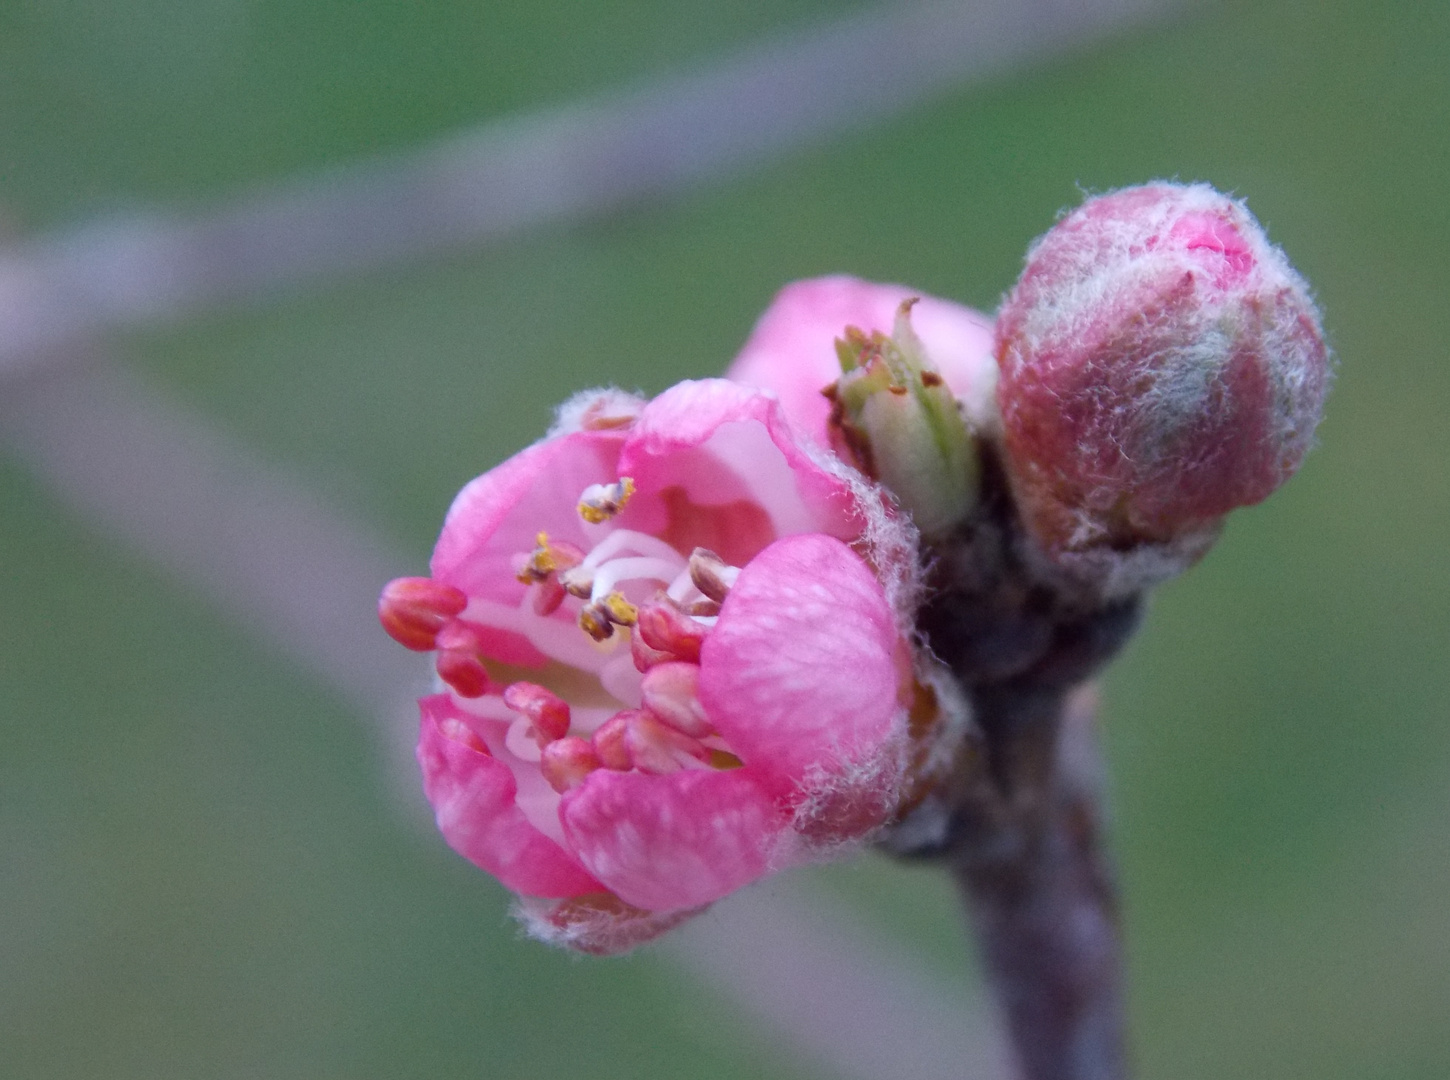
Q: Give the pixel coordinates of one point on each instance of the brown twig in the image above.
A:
(1020, 823)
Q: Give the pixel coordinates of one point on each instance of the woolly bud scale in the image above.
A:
(1161, 364)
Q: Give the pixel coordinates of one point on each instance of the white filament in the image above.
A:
(521, 742)
(617, 571)
(621, 540)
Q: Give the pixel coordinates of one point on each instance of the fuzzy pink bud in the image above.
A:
(1161, 364)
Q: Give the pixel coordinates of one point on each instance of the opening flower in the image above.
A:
(673, 643)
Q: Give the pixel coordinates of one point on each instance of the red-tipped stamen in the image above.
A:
(664, 625)
(460, 659)
(413, 610)
(669, 693)
(609, 742)
(657, 749)
(643, 656)
(566, 762)
(547, 711)
(455, 729)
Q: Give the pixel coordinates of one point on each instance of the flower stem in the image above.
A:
(1030, 862)
(1020, 822)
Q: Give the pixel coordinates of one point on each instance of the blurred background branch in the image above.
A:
(496, 181)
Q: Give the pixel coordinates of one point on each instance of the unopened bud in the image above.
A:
(413, 610)
(893, 414)
(566, 762)
(664, 626)
(460, 658)
(1161, 364)
(548, 712)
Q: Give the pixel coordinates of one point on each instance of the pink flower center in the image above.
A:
(617, 688)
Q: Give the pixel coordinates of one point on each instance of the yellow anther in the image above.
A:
(600, 502)
(619, 610)
(541, 562)
(578, 582)
(594, 621)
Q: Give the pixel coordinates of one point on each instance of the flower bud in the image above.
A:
(1161, 364)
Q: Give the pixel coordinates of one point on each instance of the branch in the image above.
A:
(1020, 822)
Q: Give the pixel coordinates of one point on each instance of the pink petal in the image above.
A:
(473, 797)
(800, 672)
(498, 515)
(664, 843)
(792, 348)
(713, 443)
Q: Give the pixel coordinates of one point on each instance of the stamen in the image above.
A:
(664, 625)
(620, 611)
(599, 618)
(658, 749)
(608, 741)
(610, 575)
(622, 540)
(669, 693)
(413, 610)
(600, 502)
(521, 740)
(455, 729)
(548, 712)
(567, 762)
(711, 574)
(643, 656)
(682, 586)
(460, 659)
(543, 566)
(633, 739)
(549, 557)
(704, 608)
(595, 622)
(578, 581)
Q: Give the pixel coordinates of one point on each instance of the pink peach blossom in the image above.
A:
(673, 648)
(792, 348)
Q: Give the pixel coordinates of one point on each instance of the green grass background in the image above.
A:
(202, 872)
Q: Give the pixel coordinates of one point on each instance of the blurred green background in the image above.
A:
(203, 872)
